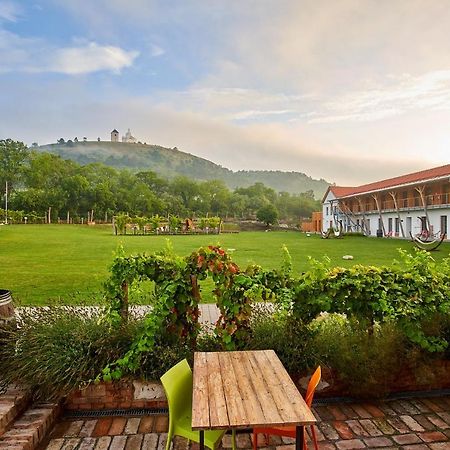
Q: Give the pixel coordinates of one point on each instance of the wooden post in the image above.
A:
(394, 198)
(421, 191)
(375, 197)
(197, 296)
(363, 210)
(124, 305)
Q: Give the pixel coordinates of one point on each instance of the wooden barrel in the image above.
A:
(7, 316)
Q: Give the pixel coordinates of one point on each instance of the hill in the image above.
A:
(170, 162)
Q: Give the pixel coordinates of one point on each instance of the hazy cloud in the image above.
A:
(36, 55)
(156, 50)
(9, 11)
(429, 91)
(350, 91)
(90, 58)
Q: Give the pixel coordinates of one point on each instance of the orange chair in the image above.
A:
(291, 431)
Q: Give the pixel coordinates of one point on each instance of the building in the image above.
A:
(417, 204)
(114, 136)
(314, 225)
(128, 138)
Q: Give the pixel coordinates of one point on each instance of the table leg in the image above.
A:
(299, 437)
(202, 440)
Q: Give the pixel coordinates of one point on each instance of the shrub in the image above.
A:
(58, 349)
(288, 337)
(366, 363)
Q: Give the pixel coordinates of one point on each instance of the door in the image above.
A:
(408, 225)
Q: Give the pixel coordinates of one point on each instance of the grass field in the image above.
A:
(69, 262)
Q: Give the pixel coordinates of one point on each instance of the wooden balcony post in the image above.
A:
(394, 198)
(421, 191)
(377, 203)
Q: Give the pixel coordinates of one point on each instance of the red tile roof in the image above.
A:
(416, 177)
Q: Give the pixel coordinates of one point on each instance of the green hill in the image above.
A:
(170, 162)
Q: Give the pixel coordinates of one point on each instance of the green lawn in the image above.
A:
(63, 262)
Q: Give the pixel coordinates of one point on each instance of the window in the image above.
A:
(423, 223)
(390, 224)
(443, 224)
(327, 211)
(397, 225)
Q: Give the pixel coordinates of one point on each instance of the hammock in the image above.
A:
(427, 245)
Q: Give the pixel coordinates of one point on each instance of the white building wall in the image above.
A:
(327, 212)
(410, 220)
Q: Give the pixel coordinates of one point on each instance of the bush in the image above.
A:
(58, 349)
(366, 363)
(285, 335)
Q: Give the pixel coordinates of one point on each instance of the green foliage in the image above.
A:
(177, 294)
(407, 293)
(267, 214)
(56, 349)
(287, 337)
(170, 163)
(13, 154)
(54, 180)
(367, 363)
(121, 222)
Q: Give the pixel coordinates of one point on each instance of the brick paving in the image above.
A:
(412, 424)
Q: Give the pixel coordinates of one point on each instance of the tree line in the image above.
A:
(43, 184)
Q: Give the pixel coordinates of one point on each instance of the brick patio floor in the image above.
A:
(408, 424)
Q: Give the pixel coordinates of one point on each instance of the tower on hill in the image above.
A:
(114, 136)
(129, 138)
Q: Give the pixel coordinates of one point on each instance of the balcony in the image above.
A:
(434, 201)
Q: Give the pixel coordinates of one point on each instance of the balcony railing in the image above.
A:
(432, 201)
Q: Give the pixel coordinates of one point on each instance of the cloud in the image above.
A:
(9, 11)
(156, 50)
(430, 91)
(34, 55)
(271, 146)
(90, 58)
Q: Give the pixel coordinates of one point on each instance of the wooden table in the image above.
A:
(244, 390)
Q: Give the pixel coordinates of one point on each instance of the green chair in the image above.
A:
(177, 383)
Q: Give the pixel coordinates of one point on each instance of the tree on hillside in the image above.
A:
(13, 155)
(267, 214)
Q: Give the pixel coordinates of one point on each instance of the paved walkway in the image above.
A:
(411, 424)
(209, 312)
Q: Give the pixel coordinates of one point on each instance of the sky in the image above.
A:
(352, 91)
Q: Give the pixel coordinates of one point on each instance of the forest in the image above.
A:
(43, 186)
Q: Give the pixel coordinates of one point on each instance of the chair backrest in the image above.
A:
(313, 382)
(177, 383)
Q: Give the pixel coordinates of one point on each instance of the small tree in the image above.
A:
(174, 223)
(155, 222)
(121, 221)
(267, 214)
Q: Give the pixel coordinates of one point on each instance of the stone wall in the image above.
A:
(123, 394)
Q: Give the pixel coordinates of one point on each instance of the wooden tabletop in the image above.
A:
(243, 390)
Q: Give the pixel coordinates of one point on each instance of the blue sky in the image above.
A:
(351, 91)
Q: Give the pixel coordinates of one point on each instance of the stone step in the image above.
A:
(28, 430)
(12, 403)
